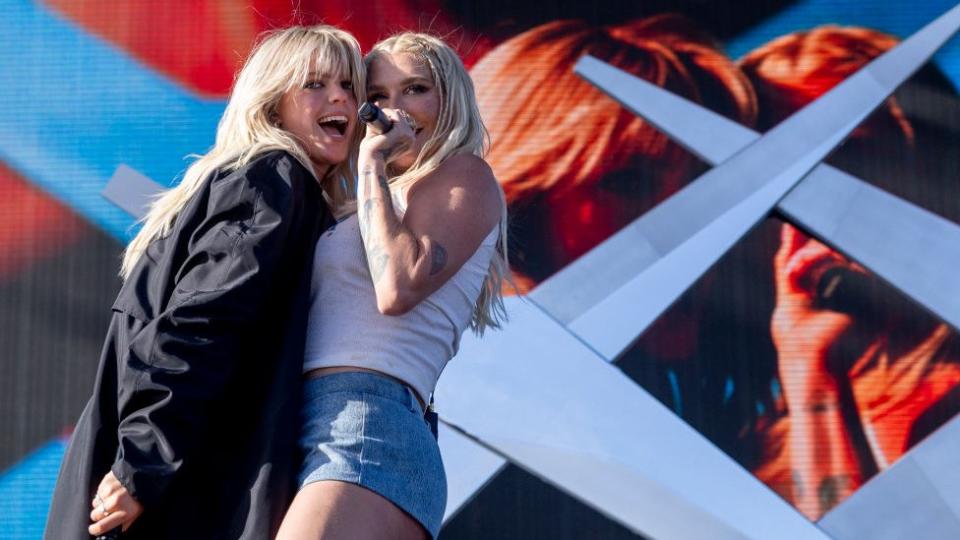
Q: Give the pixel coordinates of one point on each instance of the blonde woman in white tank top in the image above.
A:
(420, 257)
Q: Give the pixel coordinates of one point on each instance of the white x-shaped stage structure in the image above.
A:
(544, 394)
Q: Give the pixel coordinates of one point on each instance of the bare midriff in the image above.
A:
(321, 372)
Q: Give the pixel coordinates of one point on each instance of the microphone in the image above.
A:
(374, 117)
(863, 296)
(112, 534)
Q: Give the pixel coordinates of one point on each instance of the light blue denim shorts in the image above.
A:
(369, 430)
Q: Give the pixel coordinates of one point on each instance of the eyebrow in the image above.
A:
(408, 80)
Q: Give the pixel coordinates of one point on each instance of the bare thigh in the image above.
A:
(334, 510)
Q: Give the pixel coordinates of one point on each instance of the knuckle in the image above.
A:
(111, 502)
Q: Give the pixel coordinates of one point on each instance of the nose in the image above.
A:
(338, 94)
(397, 103)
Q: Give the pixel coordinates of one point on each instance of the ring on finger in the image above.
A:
(103, 509)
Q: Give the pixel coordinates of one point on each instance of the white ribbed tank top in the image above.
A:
(346, 329)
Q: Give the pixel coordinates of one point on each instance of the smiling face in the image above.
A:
(400, 81)
(321, 115)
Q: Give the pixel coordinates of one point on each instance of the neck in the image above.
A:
(322, 170)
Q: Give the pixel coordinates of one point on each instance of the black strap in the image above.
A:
(433, 419)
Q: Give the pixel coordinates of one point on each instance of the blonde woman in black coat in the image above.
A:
(191, 428)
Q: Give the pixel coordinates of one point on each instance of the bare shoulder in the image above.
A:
(462, 190)
(462, 178)
(467, 165)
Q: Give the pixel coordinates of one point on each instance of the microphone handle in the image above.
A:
(854, 293)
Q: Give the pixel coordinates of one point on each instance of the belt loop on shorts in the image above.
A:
(412, 400)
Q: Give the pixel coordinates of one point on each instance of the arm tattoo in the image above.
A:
(377, 260)
(366, 173)
(438, 259)
(797, 483)
(830, 490)
(820, 407)
(377, 256)
(368, 206)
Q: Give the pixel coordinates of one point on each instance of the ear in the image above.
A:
(273, 116)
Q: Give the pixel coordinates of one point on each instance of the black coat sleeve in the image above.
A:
(180, 363)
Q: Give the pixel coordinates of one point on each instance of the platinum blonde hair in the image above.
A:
(460, 129)
(282, 60)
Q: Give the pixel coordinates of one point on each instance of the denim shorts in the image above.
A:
(369, 430)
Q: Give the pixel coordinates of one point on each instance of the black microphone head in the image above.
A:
(371, 115)
(369, 112)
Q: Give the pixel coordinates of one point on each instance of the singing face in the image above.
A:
(400, 81)
(321, 115)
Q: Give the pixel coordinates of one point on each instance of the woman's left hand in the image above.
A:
(113, 507)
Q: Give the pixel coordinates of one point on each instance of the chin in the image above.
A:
(329, 158)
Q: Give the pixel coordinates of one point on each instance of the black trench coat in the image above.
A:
(195, 407)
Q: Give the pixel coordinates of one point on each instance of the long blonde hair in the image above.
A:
(283, 60)
(460, 129)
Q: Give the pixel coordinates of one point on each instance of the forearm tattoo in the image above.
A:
(377, 256)
(380, 204)
(797, 483)
(373, 241)
(830, 490)
(822, 407)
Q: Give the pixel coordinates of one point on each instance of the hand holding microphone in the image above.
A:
(391, 131)
(374, 117)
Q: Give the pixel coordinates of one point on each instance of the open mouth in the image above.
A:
(333, 125)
